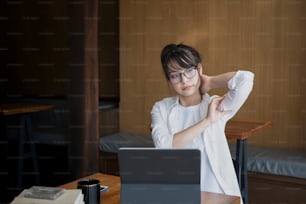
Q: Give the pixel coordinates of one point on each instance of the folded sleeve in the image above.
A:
(240, 86)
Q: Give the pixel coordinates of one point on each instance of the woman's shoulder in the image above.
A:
(170, 99)
(166, 102)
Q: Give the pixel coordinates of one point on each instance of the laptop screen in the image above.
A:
(151, 175)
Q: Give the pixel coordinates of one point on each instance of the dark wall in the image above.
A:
(34, 51)
(109, 48)
(36, 37)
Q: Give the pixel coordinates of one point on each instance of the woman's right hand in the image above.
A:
(205, 85)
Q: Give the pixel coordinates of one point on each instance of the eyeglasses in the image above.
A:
(176, 77)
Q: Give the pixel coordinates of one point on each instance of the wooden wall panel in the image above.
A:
(83, 92)
(266, 37)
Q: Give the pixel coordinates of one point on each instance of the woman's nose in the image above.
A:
(183, 78)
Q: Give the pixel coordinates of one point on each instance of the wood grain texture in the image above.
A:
(22, 108)
(83, 92)
(265, 37)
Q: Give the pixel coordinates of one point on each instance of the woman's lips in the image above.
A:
(187, 88)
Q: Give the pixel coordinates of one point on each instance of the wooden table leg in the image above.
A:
(3, 157)
(24, 138)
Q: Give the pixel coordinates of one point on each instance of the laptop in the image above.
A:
(159, 176)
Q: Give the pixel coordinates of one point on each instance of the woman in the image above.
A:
(194, 119)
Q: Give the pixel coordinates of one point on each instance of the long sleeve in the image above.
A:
(239, 87)
(161, 134)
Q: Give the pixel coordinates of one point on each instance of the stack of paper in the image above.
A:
(49, 195)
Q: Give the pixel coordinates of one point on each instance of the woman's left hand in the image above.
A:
(214, 113)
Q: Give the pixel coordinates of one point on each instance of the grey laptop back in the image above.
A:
(159, 176)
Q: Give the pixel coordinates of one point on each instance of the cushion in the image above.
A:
(112, 143)
(279, 161)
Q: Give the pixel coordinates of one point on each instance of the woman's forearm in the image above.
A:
(220, 81)
(185, 136)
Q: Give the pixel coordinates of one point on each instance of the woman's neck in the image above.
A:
(190, 100)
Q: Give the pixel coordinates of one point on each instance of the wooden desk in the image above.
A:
(241, 130)
(112, 196)
(24, 110)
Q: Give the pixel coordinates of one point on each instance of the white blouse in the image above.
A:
(188, 116)
(212, 142)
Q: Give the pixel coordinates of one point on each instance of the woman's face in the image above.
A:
(185, 81)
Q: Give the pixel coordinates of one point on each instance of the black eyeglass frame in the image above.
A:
(179, 78)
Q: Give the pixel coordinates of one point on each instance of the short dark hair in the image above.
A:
(179, 55)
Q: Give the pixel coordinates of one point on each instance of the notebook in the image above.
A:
(163, 176)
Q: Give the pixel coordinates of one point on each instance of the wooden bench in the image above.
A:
(269, 169)
(275, 161)
(275, 175)
(264, 160)
(110, 144)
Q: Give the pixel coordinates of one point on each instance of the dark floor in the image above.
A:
(271, 189)
(53, 169)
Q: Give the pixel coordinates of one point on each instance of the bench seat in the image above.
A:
(266, 160)
(276, 161)
(109, 146)
(112, 143)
